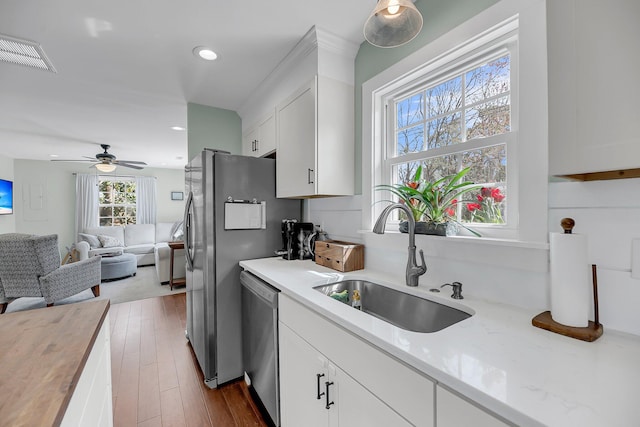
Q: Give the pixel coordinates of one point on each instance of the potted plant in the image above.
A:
(433, 203)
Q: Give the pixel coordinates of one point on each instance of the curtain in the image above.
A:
(86, 202)
(145, 200)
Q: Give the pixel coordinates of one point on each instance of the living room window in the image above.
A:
(117, 201)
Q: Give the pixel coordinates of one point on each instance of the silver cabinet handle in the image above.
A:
(309, 172)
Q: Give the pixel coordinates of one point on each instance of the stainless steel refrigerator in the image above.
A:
(231, 214)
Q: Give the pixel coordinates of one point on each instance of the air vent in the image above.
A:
(24, 52)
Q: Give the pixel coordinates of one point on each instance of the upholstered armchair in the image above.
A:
(30, 267)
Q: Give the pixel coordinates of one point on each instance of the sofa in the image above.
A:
(148, 242)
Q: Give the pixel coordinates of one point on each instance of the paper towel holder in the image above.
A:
(588, 333)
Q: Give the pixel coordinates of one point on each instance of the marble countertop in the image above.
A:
(496, 357)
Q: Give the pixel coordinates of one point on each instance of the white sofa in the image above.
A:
(148, 242)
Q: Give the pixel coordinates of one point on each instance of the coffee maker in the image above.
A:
(298, 240)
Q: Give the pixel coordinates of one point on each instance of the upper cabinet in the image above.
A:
(260, 140)
(593, 92)
(315, 140)
(312, 94)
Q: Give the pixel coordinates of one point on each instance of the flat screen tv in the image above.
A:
(6, 197)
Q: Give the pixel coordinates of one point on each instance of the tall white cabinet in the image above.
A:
(311, 98)
(315, 140)
(593, 60)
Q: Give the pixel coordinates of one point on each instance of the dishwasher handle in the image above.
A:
(260, 288)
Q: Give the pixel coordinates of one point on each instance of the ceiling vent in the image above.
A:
(24, 52)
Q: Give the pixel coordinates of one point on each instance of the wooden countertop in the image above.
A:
(42, 354)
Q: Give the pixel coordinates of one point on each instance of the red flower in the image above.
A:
(497, 195)
(486, 192)
(413, 185)
(480, 198)
(473, 206)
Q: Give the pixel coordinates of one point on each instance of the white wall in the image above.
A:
(44, 194)
(608, 213)
(7, 222)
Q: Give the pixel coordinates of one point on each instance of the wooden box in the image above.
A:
(341, 256)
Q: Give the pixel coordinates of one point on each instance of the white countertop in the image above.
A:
(496, 357)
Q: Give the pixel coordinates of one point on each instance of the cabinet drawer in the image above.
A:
(341, 256)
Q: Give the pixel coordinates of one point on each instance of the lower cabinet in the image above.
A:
(454, 411)
(316, 392)
(330, 377)
(91, 402)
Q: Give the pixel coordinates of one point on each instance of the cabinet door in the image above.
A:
(249, 143)
(267, 135)
(356, 406)
(453, 411)
(296, 140)
(302, 398)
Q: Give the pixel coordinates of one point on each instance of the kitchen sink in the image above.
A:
(403, 310)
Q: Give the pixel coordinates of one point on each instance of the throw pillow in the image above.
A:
(109, 242)
(92, 240)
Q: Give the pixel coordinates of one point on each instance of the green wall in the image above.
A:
(439, 17)
(210, 127)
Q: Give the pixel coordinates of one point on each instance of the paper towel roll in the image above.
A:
(570, 291)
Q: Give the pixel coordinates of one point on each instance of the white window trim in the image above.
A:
(528, 17)
(457, 63)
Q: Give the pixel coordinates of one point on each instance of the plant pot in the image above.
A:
(432, 228)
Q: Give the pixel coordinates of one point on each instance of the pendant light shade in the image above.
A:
(393, 23)
(105, 167)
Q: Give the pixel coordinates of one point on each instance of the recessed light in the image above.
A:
(205, 53)
(177, 128)
(53, 155)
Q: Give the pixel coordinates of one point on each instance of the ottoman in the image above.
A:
(119, 266)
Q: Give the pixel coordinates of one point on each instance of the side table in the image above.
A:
(179, 281)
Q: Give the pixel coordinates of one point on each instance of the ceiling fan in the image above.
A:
(107, 162)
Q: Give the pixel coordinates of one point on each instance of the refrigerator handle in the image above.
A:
(187, 231)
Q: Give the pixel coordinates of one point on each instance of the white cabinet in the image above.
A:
(91, 402)
(260, 140)
(315, 392)
(315, 357)
(453, 411)
(593, 92)
(315, 140)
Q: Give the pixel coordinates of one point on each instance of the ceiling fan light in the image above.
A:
(105, 167)
(393, 23)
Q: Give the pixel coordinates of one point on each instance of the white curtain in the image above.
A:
(86, 202)
(145, 200)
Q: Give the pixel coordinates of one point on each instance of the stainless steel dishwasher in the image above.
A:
(260, 342)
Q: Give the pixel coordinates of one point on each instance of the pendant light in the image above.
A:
(393, 23)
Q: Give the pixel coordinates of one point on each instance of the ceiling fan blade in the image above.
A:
(126, 165)
(130, 161)
(75, 160)
(90, 158)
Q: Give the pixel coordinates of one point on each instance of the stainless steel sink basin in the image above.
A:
(403, 310)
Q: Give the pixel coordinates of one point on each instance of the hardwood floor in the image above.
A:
(155, 377)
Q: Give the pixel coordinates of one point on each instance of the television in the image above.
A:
(6, 197)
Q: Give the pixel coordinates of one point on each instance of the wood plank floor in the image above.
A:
(155, 377)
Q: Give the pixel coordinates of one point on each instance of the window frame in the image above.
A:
(452, 65)
(102, 179)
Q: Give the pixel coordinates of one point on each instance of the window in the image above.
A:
(117, 201)
(454, 119)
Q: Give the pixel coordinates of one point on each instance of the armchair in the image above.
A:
(30, 267)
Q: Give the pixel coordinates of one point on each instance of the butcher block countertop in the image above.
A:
(42, 354)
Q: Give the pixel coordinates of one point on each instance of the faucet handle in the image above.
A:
(457, 289)
(422, 268)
